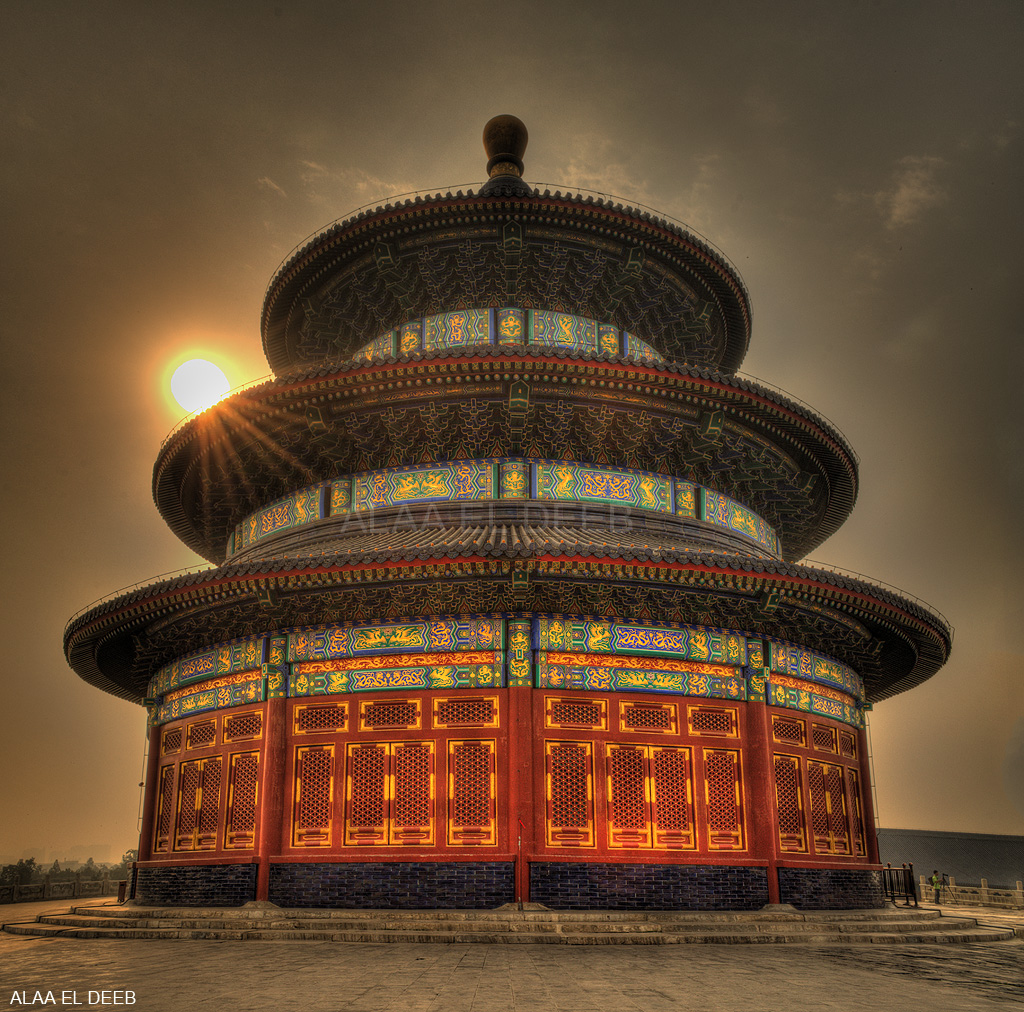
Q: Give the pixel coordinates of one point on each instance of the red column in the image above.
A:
(151, 796)
(271, 808)
(867, 796)
(763, 819)
(520, 784)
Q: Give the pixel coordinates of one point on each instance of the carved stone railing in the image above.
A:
(68, 889)
(952, 893)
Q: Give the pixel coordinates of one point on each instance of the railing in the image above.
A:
(114, 594)
(800, 402)
(984, 895)
(545, 190)
(745, 376)
(898, 884)
(68, 889)
(185, 419)
(810, 563)
(874, 581)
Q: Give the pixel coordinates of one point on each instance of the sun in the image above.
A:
(198, 384)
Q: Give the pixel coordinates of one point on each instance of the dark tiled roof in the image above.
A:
(790, 465)
(894, 643)
(647, 299)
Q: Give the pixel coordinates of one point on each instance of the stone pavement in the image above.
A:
(332, 977)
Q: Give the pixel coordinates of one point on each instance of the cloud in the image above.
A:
(324, 185)
(269, 184)
(1006, 134)
(914, 189)
(592, 166)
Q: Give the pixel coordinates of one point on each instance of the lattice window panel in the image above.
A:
(723, 796)
(828, 808)
(569, 793)
(202, 734)
(208, 821)
(847, 745)
(713, 720)
(649, 718)
(314, 718)
(243, 781)
(314, 796)
(789, 731)
(837, 824)
(188, 806)
(789, 800)
(366, 795)
(171, 742)
(672, 798)
(472, 786)
(856, 813)
(165, 809)
(650, 797)
(823, 738)
(389, 794)
(472, 712)
(819, 807)
(243, 726)
(575, 713)
(394, 713)
(629, 810)
(412, 806)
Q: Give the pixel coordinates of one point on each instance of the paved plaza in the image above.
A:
(343, 977)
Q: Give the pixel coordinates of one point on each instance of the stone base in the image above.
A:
(831, 888)
(196, 885)
(413, 885)
(571, 886)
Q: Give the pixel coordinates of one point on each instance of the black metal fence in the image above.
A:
(898, 884)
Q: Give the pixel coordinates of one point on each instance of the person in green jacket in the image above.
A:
(936, 884)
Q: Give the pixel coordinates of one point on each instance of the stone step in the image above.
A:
(567, 923)
(264, 913)
(345, 924)
(510, 925)
(378, 935)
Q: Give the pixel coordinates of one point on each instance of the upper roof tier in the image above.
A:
(507, 244)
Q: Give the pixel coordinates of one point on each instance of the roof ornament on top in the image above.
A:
(505, 140)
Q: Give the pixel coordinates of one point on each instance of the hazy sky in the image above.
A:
(859, 163)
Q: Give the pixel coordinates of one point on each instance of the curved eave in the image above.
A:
(317, 259)
(274, 406)
(112, 646)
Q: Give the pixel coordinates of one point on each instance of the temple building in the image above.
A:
(506, 599)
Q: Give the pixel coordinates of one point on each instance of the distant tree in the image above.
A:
(120, 871)
(89, 870)
(59, 874)
(21, 873)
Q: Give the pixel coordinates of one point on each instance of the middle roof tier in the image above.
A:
(776, 457)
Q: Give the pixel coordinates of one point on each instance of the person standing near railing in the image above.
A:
(936, 885)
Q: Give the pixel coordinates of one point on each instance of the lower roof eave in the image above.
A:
(895, 643)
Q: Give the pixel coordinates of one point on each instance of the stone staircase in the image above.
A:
(512, 924)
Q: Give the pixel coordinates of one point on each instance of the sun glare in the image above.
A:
(198, 383)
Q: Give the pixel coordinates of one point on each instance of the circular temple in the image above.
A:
(507, 602)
